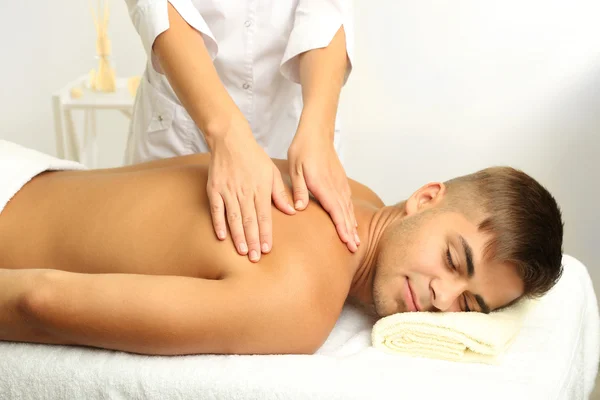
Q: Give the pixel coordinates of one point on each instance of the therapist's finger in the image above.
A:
(234, 219)
(331, 204)
(353, 220)
(279, 194)
(250, 224)
(343, 205)
(299, 189)
(349, 219)
(265, 222)
(217, 212)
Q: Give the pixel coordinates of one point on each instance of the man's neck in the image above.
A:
(372, 224)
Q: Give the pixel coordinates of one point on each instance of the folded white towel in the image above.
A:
(18, 165)
(453, 336)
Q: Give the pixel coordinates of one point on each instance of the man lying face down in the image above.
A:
(126, 259)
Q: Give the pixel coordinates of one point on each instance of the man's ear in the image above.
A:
(427, 196)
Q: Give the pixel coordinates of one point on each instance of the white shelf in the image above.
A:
(67, 141)
(120, 99)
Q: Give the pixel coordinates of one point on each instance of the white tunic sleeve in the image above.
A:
(150, 18)
(315, 24)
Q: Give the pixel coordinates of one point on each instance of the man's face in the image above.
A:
(432, 261)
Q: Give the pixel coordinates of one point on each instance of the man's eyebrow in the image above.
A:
(468, 256)
(484, 307)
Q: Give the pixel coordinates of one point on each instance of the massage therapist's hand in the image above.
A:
(315, 167)
(242, 179)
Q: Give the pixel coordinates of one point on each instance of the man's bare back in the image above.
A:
(154, 219)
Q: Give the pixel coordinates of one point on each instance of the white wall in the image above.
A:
(444, 88)
(439, 89)
(45, 45)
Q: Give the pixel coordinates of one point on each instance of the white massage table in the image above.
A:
(555, 356)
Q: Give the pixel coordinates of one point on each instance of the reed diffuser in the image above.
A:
(103, 79)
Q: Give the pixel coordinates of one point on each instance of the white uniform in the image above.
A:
(254, 45)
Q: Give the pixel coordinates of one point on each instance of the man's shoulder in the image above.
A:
(360, 191)
(317, 271)
(364, 193)
(301, 300)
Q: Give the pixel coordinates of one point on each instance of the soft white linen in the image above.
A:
(19, 164)
(555, 356)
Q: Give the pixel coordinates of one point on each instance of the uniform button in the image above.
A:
(246, 86)
(248, 23)
(160, 118)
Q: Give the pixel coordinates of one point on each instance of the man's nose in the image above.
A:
(446, 291)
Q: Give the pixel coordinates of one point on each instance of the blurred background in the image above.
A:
(439, 89)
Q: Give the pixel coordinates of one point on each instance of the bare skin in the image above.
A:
(154, 219)
(126, 259)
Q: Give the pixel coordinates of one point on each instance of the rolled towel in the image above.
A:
(452, 336)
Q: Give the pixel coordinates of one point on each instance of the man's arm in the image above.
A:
(163, 315)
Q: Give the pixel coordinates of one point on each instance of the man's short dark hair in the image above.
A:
(523, 219)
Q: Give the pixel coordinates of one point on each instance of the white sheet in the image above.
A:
(554, 357)
(19, 164)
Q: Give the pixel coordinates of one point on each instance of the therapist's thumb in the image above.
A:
(299, 188)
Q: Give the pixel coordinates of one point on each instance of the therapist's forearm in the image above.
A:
(190, 71)
(322, 73)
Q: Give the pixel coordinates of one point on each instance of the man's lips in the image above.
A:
(409, 297)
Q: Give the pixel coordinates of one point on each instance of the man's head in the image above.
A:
(478, 242)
